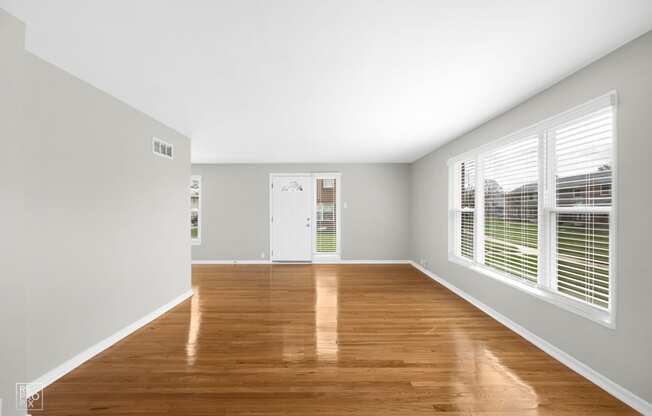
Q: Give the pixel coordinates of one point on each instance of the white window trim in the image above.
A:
(197, 241)
(605, 317)
(328, 257)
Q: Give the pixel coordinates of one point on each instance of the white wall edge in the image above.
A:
(79, 359)
(314, 262)
(569, 361)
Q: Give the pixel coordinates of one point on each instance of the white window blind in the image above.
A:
(465, 208)
(583, 163)
(195, 209)
(511, 208)
(326, 215)
(543, 219)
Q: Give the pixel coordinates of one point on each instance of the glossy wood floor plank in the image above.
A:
(327, 340)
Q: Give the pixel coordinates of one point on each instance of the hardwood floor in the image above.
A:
(327, 340)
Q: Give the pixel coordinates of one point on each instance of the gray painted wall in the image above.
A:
(623, 354)
(235, 210)
(13, 218)
(106, 221)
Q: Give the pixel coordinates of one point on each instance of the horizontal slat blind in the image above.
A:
(326, 215)
(583, 257)
(195, 221)
(466, 234)
(466, 186)
(511, 209)
(583, 175)
(583, 151)
(537, 206)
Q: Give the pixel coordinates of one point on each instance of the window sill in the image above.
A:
(600, 316)
(196, 242)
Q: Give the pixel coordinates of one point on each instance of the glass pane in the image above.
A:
(511, 209)
(325, 216)
(583, 257)
(293, 186)
(466, 240)
(467, 184)
(466, 199)
(195, 190)
(583, 153)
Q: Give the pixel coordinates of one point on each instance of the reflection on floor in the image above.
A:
(328, 340)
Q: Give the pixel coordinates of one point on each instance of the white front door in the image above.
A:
(291, 217)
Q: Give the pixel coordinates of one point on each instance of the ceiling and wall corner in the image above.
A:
(335, 81)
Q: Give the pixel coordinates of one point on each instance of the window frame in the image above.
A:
(197, 241)
(337, 255)
(545, 287)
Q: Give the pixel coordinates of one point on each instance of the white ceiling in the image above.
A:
(325, 80)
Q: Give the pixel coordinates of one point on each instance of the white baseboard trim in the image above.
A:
(63, 369)
(374, 262)
(579, 367)
(314, 262)
(231, 262)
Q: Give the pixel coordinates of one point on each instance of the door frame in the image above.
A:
(271, 210)
(314, 256)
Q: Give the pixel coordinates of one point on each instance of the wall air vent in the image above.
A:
(162, 148)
